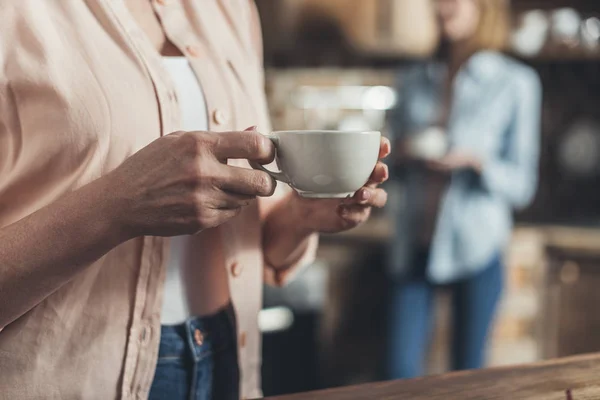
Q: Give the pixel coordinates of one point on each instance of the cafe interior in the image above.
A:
(338, 65)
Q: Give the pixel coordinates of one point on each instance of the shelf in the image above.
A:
(580, 5)
(558, 58)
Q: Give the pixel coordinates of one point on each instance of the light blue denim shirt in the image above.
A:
(495, 114)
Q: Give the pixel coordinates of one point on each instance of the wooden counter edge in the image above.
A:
(449, 383)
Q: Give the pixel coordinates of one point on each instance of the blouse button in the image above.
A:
(145, 335)
(193, 51)
(236, 269)
(243, 340)
(219, 117)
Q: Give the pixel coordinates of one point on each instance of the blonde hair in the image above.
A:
(494, 26)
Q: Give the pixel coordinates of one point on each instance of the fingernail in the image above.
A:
(386, 175)
(252, 128)
(365, 195)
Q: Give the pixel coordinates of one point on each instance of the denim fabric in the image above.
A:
(474, 302)
(189, 370)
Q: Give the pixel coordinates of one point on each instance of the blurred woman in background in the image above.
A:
(466, 137)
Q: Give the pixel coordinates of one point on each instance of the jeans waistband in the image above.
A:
(198, 336)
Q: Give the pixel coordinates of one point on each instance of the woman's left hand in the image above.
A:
(334, 215)
(456, 160)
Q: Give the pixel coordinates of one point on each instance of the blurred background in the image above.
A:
(334, 64)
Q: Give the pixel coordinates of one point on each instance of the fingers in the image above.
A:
(437, 165)
(380, 173)
(445, 164)
(250, 145)
(220, 207)
(354, 214)
(217, 217)
(246, 181)
(370, 197)
(232, 201)
(385, 148)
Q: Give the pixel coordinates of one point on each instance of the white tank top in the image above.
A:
(175, 307)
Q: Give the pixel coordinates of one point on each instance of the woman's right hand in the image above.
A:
(181, 183)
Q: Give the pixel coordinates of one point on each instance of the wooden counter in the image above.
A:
(380, 229)
(551, 291)
(548, 380)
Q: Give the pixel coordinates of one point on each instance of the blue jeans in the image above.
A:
(474, 302)
(197, 360)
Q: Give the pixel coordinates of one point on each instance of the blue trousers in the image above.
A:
(474, 302)
(197, 360)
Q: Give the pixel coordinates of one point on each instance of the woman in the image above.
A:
(93, 181)
(456, 217)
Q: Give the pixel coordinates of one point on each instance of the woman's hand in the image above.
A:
(334, 215)
(456, 160)
(181, 183)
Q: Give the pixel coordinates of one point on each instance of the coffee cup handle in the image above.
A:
(280, 176)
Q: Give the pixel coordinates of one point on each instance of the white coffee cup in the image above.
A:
(429, 144)
(324, 164)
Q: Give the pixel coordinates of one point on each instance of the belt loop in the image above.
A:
(189, 335)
